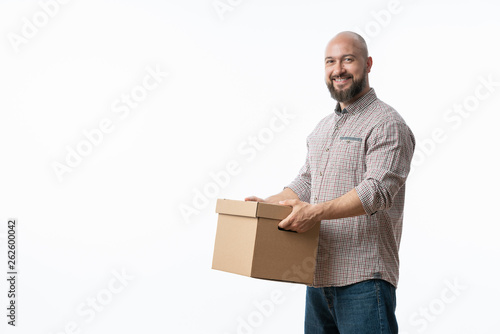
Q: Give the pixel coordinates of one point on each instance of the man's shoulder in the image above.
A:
(380, 112)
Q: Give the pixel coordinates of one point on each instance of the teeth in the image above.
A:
(340, 79)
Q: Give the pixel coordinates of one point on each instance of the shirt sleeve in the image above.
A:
(388, 157)
(302, 183)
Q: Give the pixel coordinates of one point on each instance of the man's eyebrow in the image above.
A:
(343, 56)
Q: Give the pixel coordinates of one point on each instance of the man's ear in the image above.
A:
(369, 63)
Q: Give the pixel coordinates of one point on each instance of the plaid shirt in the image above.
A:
(366, 146)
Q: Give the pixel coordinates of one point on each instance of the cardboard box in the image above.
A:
(249, 243)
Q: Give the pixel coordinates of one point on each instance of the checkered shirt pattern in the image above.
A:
(369, 147)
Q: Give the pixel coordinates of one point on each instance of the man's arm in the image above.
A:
(304, 215)
(286, 194)
(388, 161)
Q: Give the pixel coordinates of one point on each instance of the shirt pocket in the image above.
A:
(347, 154)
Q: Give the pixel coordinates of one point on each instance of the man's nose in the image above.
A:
(338, 69)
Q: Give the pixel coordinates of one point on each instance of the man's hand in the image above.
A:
(303, 217)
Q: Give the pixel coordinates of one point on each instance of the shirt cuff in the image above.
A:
(302, 189)
(367, 194)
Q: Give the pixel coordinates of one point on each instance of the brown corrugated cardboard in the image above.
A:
(249, 243)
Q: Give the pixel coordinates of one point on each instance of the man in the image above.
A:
(353, 182)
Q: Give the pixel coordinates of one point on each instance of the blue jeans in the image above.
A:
(366, 307)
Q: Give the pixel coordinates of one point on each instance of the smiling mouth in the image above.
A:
(341, 80)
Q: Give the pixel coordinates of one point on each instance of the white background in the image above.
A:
(119, 209)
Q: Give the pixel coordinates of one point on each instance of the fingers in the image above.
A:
(296, 220)
(253, 199)
(285, 224)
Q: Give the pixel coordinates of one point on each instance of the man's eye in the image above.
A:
(348, 59)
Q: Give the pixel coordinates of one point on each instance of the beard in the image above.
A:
(347, 94)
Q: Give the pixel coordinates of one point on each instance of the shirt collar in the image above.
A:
(357, 105)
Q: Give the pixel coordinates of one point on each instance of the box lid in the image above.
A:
(252, 209)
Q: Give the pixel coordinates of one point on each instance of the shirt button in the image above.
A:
(327, 149)
(320, 173)
(315, 199)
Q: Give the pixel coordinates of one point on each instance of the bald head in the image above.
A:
(348, 36)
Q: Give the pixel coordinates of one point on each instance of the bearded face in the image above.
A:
(345, 87)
